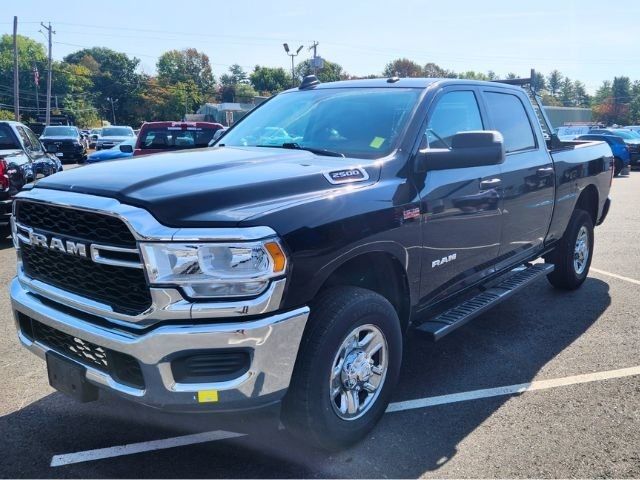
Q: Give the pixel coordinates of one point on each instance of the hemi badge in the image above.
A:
(411, 213)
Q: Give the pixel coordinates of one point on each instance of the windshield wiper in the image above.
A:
(317, 151)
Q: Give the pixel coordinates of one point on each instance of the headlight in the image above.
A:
(215, 269)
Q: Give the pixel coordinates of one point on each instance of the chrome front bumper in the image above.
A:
(274, 341)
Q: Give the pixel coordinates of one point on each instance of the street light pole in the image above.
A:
(292, 55)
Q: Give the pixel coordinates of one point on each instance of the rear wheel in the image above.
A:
(348, 365)
(572, 256)
(617, 166)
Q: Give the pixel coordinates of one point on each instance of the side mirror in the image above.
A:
(218, 134)
(51, 148)
(126, 148)
(468, 149)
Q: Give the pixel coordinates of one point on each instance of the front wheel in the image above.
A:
(572, 256)
(347, 367)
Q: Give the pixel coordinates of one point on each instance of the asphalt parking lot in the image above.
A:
(577, 354)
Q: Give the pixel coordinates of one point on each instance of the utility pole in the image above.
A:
(113, 110)
(48, 114)
(16, 76)
(314, 47)
(36, 80)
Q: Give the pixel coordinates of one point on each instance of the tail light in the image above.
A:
(4, 177)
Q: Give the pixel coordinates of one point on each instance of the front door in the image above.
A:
(461, 206)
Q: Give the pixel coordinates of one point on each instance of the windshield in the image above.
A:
(355, 122)
(60, 131)
(627, 134)
(174, 138)
(117, 132)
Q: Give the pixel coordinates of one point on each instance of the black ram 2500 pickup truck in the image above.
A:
(287, 262)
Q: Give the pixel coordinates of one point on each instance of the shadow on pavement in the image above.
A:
(507, 345)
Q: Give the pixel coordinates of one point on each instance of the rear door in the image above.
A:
(460, 206)
(528, 179)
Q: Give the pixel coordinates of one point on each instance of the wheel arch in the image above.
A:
(379, 271)
(589, 202)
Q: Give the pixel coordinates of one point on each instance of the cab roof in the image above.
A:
(395, 82)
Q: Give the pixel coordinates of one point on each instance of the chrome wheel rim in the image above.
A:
(358, 372)
(581, 251)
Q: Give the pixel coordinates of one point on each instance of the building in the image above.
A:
(559, 116)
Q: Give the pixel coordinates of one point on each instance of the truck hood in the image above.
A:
(214, 186)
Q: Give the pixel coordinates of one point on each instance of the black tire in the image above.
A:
(565, 275)
(617, 166)
(307, 410)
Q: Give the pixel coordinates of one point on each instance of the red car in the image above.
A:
(155, 137)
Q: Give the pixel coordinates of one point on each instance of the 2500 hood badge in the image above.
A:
(347, 175)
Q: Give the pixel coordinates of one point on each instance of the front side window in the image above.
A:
(510, 118)
(35, 143)
(354, 122)
(454, 112)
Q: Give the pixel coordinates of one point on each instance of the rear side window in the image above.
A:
(510, 118)
(455, 112)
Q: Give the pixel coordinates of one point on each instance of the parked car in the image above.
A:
(621, 155)
(23, 160)
(630, 138)
(113, 153)
(93, 137)
(241, 275)
(111, 136)
(635, 128)
(158, 137)
(65, 142)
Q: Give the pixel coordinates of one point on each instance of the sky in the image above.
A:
(587, 40)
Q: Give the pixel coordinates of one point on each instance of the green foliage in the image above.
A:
(7, 115)
(268, 81)
(186, 66)
(404, 68)
(330, 72)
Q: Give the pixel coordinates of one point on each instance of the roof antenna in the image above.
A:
(309, 81)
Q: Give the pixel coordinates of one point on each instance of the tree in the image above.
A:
(186, 66)
(431, 70)
(539, 82)
(581, 97)
(235, 76)
(471, 75)
(403, 67)
(30, 54)
(6, 115)
(566, 94)
(114, 77)
(267, 80)
(330, 72)
(553, 82)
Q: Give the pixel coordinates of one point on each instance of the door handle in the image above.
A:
(544, 171)
(490, 183)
